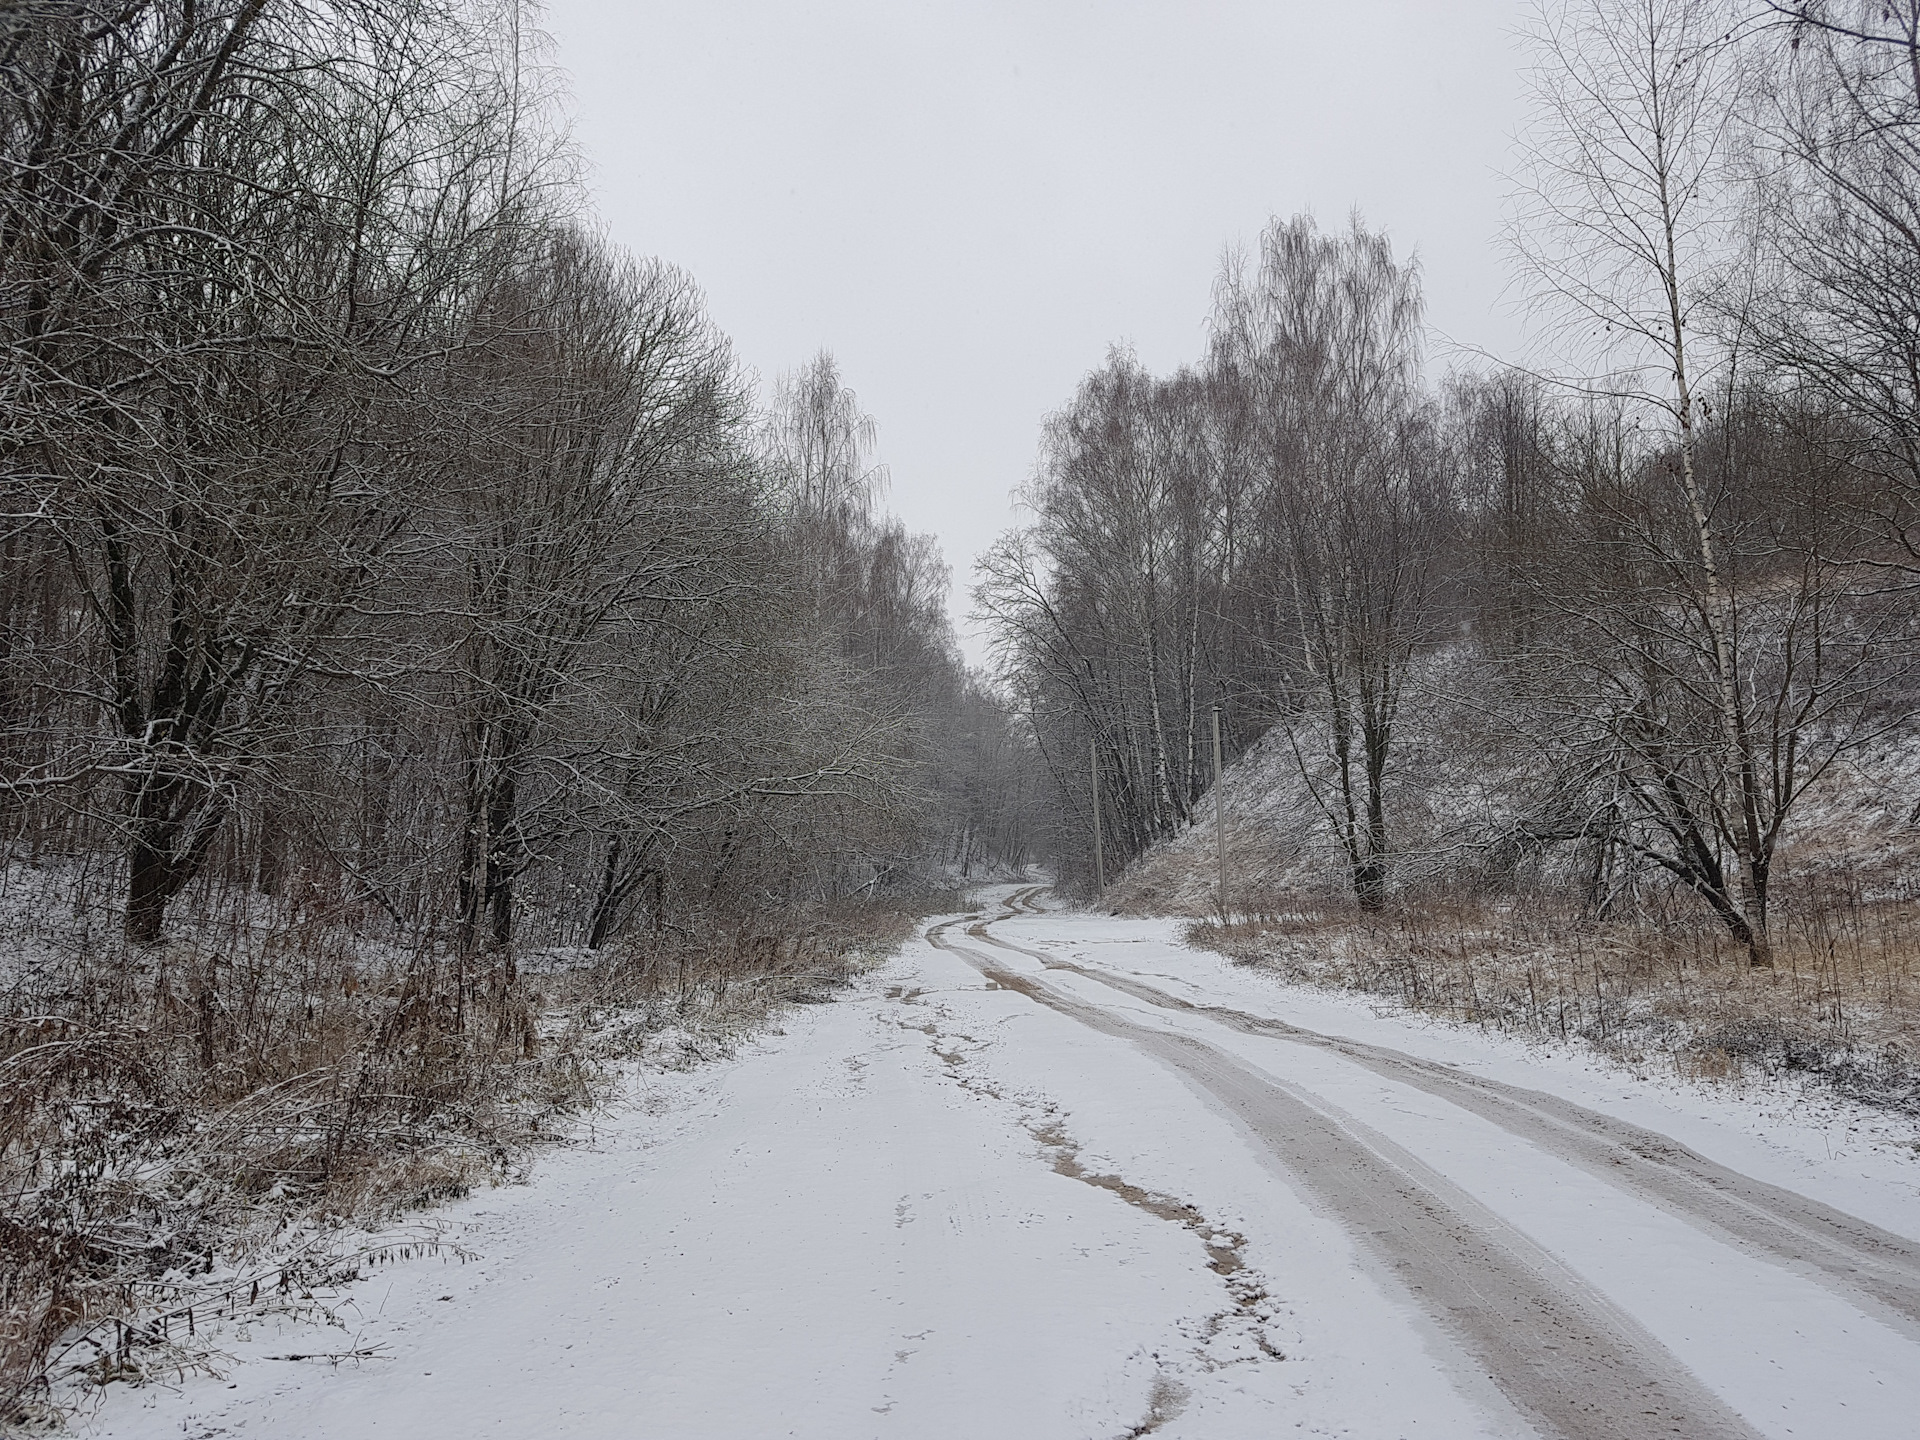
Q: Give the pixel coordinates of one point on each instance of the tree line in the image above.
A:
(379, 537)
(1638, 595)
(429, 668)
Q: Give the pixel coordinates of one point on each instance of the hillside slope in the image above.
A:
(1485, 930)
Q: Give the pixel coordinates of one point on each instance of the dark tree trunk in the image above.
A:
(147, 892)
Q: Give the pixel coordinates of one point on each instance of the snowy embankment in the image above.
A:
(1057, 1175)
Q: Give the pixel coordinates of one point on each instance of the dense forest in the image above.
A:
(1601, 621)
(403, 590)
(381, 535)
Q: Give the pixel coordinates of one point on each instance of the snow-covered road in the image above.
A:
(1050, 1174)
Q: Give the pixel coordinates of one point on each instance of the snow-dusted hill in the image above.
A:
(1454, 804)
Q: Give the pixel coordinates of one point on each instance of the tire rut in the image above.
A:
(1562, 1354)
(1854, 1258)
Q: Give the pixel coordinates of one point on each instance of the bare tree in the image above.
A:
(593, 389)
(1112, 610)
(820, 445)
(1836, 237)
(1623, 222)
(227, 231)
(1324, 335)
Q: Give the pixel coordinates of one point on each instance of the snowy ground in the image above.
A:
(1055, 1175)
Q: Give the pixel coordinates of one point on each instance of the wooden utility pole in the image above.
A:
(1219, 816)
(1099, 849)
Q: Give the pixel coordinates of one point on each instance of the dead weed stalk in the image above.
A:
(211, 1127)
(1841, 1003)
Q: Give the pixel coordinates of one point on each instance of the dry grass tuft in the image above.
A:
(682, 996)
(211, 1127)
(173, 1121)
(1842, 1002)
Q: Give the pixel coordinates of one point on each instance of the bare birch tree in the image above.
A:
(1622, 224)
(1324, 335)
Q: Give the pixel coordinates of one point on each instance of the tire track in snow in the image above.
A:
(1565, 1356)
(1853, 1258)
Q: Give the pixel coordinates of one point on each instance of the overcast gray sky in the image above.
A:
(968, 203)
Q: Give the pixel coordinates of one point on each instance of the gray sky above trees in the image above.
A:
(969, 202)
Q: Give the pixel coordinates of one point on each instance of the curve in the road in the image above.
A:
(1564, 1355)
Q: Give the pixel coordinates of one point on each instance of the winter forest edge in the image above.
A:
(432, 672)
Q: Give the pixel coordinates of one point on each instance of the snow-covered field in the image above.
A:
(1056, 1175)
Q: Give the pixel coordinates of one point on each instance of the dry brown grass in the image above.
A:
(679, 997)
(177, 1123)
(1842, 1002)
(213, 1126)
